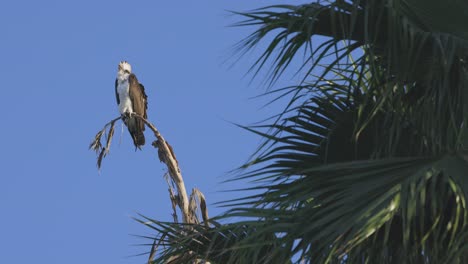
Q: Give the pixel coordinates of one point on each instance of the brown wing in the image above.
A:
(135, 126)
(138, 96)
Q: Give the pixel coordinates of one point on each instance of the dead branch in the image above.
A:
(173, 169)
(166, 154)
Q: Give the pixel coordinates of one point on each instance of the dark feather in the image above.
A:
(136, 127)
(116, 92)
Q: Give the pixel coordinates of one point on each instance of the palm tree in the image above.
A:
(368, 162)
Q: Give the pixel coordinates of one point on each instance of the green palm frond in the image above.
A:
(367, 163)
(397, 207)
(187, 243)
(407, 56)
(334, 210)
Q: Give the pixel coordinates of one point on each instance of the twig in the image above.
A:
(96, 143)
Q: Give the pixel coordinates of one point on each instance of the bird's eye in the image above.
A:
(127, 71)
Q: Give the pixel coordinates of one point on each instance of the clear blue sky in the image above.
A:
(57, 66)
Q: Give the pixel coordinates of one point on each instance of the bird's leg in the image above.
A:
(126, 115)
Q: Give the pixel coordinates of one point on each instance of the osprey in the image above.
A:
(131, 99)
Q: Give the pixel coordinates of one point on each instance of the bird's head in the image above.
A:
(124, 67)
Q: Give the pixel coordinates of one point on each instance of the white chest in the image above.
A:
(125, 105)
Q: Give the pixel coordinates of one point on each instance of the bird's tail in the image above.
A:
(136, 127)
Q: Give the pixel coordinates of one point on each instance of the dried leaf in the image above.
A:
(202, 203)
(157, 144)
(109, 138)
(174, 198)
(173, 154)
(193, 209)
(96, 144)
(99, 160)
